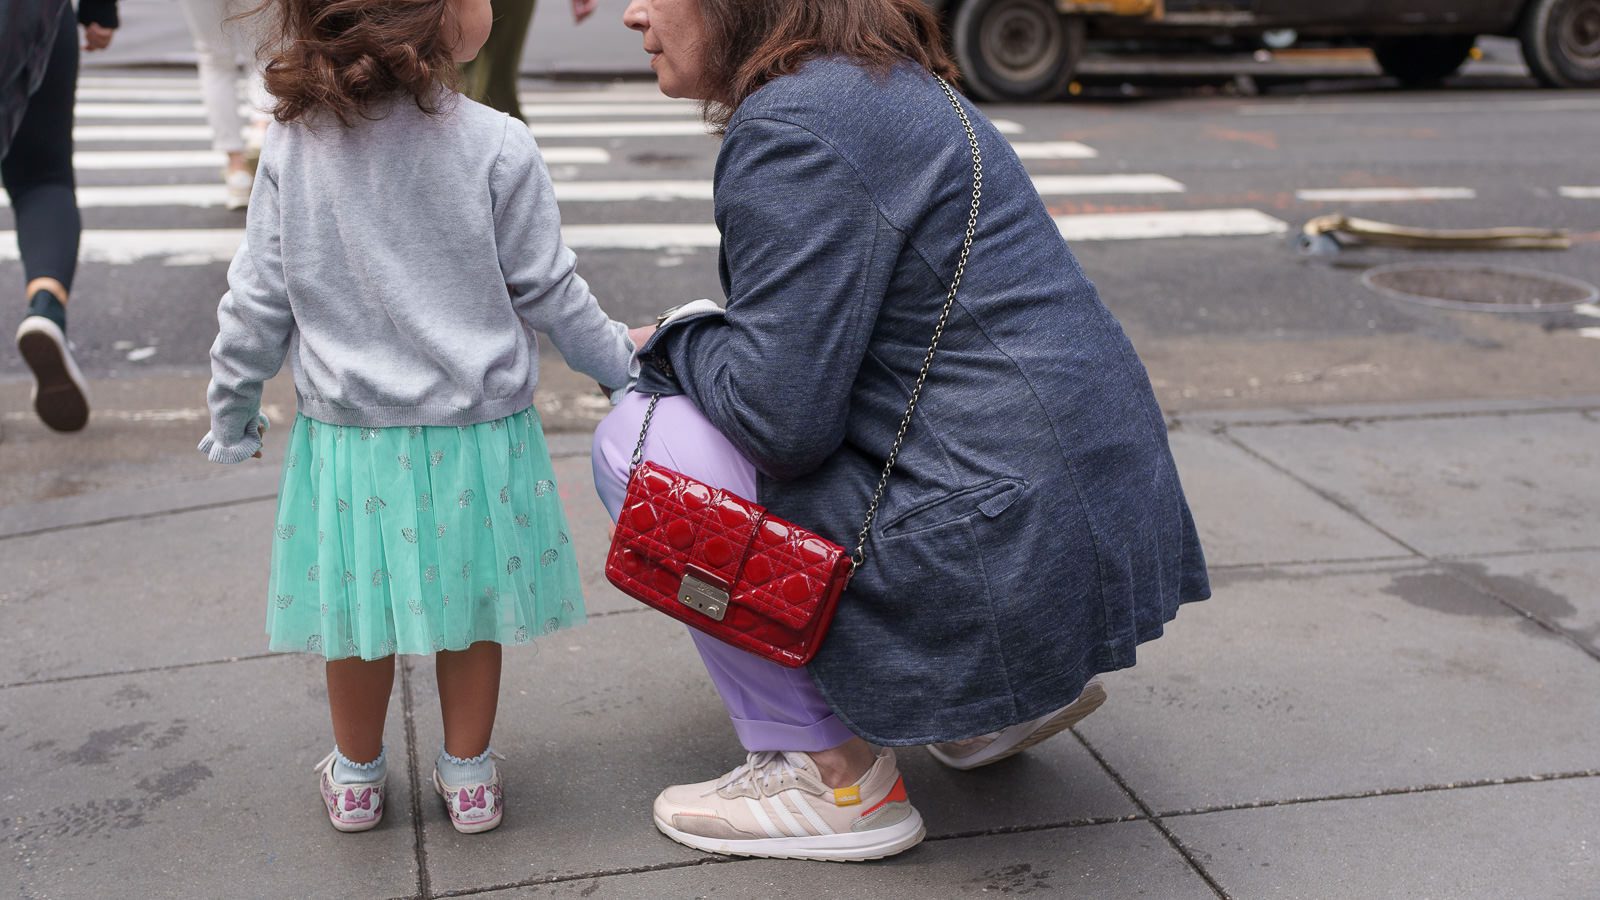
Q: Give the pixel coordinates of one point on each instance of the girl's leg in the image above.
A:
(772, 707)
(469, 695)
(358, 698)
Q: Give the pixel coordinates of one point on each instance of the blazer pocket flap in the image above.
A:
(1002, 501)
(990, 498)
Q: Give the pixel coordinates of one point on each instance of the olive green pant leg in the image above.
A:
(491, 78)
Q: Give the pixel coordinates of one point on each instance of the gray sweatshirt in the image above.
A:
(402, 265)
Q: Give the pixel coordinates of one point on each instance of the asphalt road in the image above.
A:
(1233, 320)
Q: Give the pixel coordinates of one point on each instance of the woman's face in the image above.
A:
(674, 35)
(470, 20)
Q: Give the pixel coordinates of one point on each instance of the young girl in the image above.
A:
(402, 245)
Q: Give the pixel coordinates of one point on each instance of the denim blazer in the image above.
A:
(1034, 530)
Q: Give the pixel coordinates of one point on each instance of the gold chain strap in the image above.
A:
(859, 557)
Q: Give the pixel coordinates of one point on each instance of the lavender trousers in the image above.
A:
(772, 707)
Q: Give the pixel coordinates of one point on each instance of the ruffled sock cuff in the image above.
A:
(347, 772)
(454, 770)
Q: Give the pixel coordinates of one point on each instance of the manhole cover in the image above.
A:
(1479, 288)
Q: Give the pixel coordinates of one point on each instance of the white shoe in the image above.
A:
(776, 805)
(238, 185)
(475, 807)
(60, 395)
(997, 745)
(357, 806)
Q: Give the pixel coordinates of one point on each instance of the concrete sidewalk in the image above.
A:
(1394, 693)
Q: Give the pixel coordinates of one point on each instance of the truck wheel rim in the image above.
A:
(1579, 34)
(1022, 40)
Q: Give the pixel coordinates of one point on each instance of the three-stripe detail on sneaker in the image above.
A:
(791, 826)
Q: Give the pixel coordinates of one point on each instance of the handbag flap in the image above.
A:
(691, 524)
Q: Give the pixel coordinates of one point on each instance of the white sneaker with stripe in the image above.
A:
(776, 805)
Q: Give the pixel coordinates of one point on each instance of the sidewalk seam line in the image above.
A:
(1555, 630)
(1384, 792)
(1197, 420)
(147, 670)
(1279, 564)
(156, 514)
(418, 832)
(710, 860)
(1151, 817)
(1325, 495)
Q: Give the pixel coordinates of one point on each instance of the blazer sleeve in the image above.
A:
(806, 258)
(254, 326)
(98, 12)
(542, 273)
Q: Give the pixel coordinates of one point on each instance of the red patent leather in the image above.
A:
(783, 582)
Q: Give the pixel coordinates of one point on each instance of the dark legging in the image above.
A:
(37, 171)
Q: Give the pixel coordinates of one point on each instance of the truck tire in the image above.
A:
(1016, 50)
(1561, 42)
(1423, 60)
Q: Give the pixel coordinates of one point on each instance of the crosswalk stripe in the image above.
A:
(205, 246)
(1053, 150)
(213, 195)
(194, 110)
(88, 134)
(143, 95)
(1385, 195)
(1188, 223)
(1066, 185)
(540, 129)
(199, 195)
(197, 247)
(133, 160)
(139, 111)
(1573, 192)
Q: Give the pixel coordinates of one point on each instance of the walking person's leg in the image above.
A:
(215, 41)
(491, 78)
(37, 173)
(810, 788)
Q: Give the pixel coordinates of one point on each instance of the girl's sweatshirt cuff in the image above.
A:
(228, 454)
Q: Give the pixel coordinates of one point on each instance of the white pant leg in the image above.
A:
(215, 43)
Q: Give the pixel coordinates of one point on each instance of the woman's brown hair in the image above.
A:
(346, 57)
(751, 42)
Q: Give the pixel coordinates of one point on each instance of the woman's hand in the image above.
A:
(98, 37)
(582, 9)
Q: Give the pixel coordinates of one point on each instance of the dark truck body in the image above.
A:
(1027, 49)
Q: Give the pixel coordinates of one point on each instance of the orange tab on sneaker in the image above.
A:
(897, 794)
(847, 796)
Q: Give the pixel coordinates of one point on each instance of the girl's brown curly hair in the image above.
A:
(346, 57)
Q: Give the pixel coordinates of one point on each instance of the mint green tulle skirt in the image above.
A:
(418, 539)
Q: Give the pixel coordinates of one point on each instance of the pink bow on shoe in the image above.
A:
(472, 801)
(352, 802)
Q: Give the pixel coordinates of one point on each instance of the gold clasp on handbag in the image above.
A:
(703, 596)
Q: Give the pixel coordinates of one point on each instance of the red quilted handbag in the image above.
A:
(724, 565)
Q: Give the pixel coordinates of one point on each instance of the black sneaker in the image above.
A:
(60, 396)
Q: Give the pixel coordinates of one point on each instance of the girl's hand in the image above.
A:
(98, 37)
(641, 335)
(582, 9)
